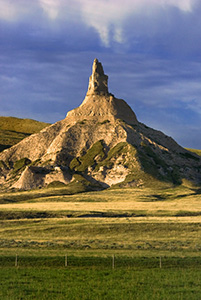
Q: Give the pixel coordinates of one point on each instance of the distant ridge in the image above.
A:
(196, 151)
(98, 145)
(13, 130)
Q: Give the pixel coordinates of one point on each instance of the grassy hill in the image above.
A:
(196, 151)
(13, 130)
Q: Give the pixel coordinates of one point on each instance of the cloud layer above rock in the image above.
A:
(150, 49)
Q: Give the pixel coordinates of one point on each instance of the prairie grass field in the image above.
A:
(94, 278)
(140, 228)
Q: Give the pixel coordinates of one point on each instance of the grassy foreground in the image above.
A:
(131, 279)
(138, 226)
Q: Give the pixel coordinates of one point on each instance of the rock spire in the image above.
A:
(98, 80)
(99, 104)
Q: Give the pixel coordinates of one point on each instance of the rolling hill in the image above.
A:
(13, 130)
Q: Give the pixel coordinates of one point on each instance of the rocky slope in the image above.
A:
(102, 143)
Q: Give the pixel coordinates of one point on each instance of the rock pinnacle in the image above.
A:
(98, 80)
(99, 104)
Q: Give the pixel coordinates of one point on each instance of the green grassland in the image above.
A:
(93, 278)
(122, 219)
(137, 225)
(13, 130)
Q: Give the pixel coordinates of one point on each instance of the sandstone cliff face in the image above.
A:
(101, 141)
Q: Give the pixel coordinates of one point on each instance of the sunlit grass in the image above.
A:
(102, 233)
(198, 152)
(13, 130)
(138, 226)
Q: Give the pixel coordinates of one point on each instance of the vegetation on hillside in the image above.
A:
(196, 151)
(141, 166)
(13, 130)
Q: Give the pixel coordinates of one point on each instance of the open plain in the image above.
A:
(111, 244)
(122, 219)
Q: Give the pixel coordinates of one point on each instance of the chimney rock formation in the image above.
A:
(99, 104)
(99, 144)
(98, 80)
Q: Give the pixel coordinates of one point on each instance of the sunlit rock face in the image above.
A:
(98, 81)
(99, 104)
(100, 143)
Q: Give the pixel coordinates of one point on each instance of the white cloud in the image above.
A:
(11, 10)
(7, 10)
(106, 16)
(51, 7)
(112, 13)
(185, 5)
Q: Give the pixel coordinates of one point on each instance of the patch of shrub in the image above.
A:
(82, 122)
(105, 122)
(2, 164)
(74, 163)
(87, 160)
(56, 184)
(184, 213)
(21, 164)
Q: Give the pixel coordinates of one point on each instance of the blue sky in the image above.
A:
(150, 49)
